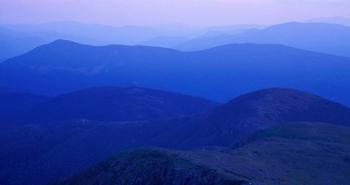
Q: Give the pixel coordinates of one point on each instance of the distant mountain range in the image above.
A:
(218, 73)
(327, 36)
(301, 153)
(106, 34)
(67, 107)
(46, 153)
(20, 38)
(100, 34)
(320, 37)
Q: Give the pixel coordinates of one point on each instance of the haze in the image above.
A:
(154, 12)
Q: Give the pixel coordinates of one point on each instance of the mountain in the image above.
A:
(281, 105)
(117, 104)
(44, 153)
(232, 122)
(16, 42)
(20, 38)
(218, 73)
(299, 153)
(320, 37)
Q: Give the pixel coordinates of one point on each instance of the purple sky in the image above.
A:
(149, 12)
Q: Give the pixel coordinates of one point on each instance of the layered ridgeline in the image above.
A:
(17, 39)
(20, 38)
(100, 104)
(50, 152)
(303, 153)
(219, 73)
(321, 37)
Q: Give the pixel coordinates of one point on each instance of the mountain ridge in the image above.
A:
(248, 66)
(295, 34)
(105, 103)
(118, 104)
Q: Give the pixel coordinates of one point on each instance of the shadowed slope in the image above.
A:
(150, 167)
(303, 153)
(246, 114)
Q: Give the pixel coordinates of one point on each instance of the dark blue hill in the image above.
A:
(42, 153)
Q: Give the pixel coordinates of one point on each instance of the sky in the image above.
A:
(155, 12)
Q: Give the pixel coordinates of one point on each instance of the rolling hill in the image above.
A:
(117, 104)
(232, 122)
(218, 73)
(298, 153)
(40, 154)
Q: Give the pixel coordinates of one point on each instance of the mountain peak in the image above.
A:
(63, 42)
